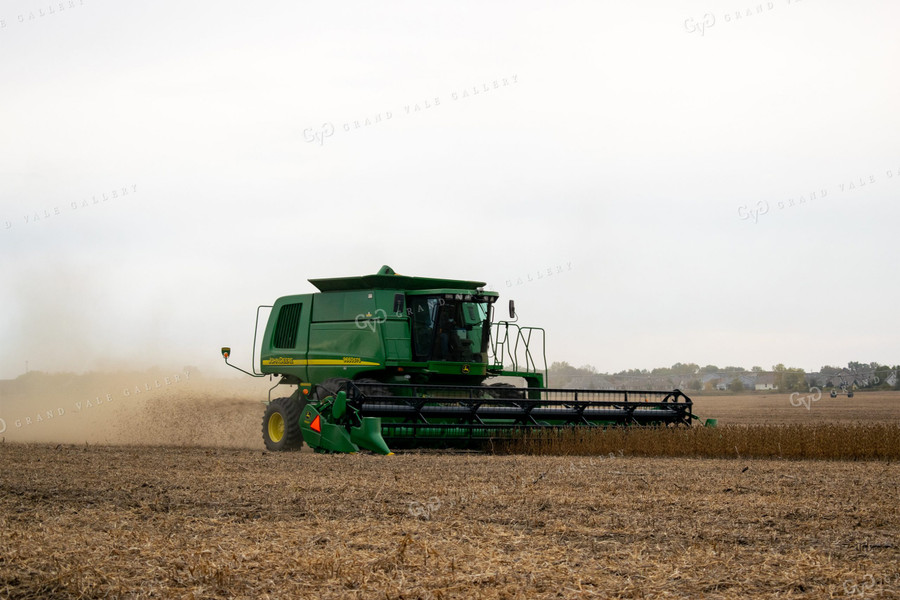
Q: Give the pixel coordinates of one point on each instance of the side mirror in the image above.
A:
(512, 309)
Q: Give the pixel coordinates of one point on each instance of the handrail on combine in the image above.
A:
(502, 349)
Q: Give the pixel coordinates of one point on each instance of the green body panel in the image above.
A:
(341, 306)
(368, 326)
(342, 350)
(368, 436)
(340, 430)
(335, 438)
(330, 437)
(289, 361)
(457, 368)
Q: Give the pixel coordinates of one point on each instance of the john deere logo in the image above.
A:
(465, 368)
(308, 416)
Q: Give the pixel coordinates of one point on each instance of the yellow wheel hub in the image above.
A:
(276, 427)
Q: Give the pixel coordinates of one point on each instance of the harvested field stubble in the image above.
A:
(142, 522)
(872, 441)
(776, 407)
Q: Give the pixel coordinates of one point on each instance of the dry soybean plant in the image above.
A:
(876, 441)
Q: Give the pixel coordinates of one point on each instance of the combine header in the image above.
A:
(389, 361)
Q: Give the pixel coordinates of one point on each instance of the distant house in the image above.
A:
(723, 381)
(865, 380)
(814, 379)
(710, 380)
(765, 381)
(590, 382)
(748, 381)
(660, 383)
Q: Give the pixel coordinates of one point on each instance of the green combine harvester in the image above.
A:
(388, 361)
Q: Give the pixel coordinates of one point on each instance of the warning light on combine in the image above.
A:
(316, 425)
(226, 352)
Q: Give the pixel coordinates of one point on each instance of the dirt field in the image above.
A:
(91, 522)
(181, 501)
(751, 409)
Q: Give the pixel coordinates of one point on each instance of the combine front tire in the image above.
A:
(281, 425)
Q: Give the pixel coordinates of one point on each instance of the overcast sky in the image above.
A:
(704, 188)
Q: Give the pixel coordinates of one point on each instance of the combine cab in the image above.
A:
(389, 361)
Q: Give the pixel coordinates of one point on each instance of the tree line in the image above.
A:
(711, 377)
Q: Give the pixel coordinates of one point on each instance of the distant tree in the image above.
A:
(757, 369)
(561, 373)
(855, 367)
(789, 379)
(685, 369)
(695, 384)
(633, 373)
(736, 385)
(709, 369)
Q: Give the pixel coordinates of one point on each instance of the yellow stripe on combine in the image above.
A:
(319, 362)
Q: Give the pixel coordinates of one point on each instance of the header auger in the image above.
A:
(389, 361)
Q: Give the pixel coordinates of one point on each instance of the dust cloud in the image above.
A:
(154, 407)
